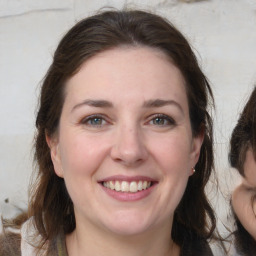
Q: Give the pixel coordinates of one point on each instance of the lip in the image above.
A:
(128, 196)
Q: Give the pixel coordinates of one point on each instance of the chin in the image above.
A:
(129, 225)
(128, 230)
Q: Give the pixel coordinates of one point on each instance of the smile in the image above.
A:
(126, 186)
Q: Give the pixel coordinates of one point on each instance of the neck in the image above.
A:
(87, 241)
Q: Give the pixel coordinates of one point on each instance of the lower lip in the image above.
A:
(126, 196)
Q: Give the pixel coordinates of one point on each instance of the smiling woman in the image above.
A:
(121, 128)
(135, 153)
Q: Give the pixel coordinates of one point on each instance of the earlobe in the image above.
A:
(192, 171)
(53, 145)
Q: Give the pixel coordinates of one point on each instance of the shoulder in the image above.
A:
(244, 243)
(243, 201)
(30, 242)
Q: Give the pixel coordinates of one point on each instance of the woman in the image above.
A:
(242, 157)
(123, 144)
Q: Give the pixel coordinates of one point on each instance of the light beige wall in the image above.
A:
(222, 33)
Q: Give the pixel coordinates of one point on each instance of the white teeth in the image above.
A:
(106, 184)
(111, 185)
(117, 186)
(133, 186)
(140, 185)
(125, 186)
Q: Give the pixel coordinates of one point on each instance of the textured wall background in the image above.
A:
(222, 33)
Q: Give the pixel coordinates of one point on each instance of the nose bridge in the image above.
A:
(129, 147)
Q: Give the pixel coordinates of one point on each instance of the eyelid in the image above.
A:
(85, 120)
(171, 121)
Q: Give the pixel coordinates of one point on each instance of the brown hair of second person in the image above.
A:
(244, 135)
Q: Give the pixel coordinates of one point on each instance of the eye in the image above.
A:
(94, 121)
(162, 120)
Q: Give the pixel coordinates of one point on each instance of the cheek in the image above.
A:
(81, 155)
(250, 174)
(173, 157)
(80, 159)
(172, 153)
(250, 168)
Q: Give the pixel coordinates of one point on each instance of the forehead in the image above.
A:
(123, 71)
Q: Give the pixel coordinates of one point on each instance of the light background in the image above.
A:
(222, 33)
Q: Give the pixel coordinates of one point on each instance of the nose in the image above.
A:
(129, 146)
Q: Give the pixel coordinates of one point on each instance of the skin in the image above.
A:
(250, 169)
(128, 138)
(244, 206)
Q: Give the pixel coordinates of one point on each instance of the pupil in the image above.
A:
(96, 121)
(159, 120)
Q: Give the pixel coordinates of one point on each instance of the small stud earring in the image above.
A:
(193, 170)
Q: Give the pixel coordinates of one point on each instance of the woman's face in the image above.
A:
(124, 145)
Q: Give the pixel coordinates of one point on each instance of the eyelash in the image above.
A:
(168, 121)
(91, 118)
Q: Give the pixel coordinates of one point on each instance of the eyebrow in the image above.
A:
(94, 103)
(156, 103)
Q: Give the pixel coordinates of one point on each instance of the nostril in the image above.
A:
(128, 147)
(129, 161)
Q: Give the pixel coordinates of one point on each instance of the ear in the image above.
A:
(196, 145)
(53, 145)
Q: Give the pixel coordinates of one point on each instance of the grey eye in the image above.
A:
(162, 120)
(95, 121)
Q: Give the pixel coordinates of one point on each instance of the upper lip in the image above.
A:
(127, 178)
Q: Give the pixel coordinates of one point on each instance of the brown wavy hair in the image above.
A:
(50, 204)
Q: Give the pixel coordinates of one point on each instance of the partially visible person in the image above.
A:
(243, 158)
